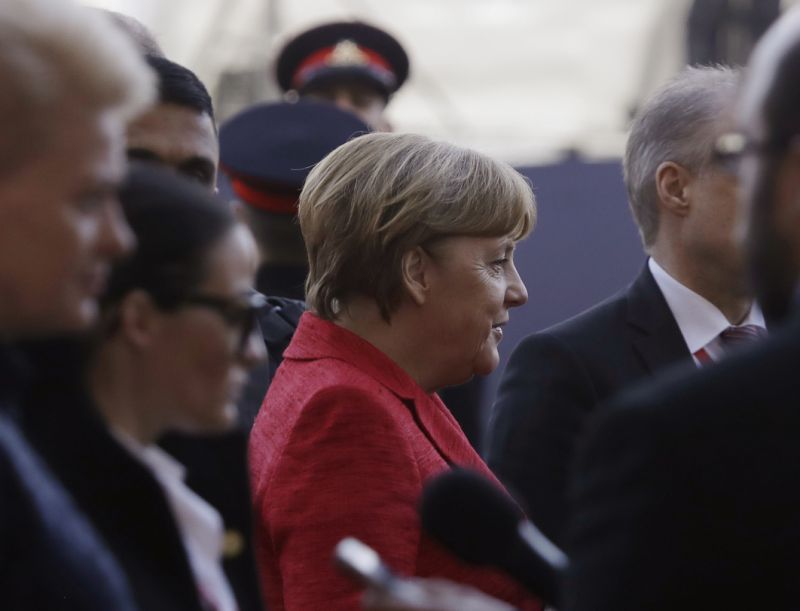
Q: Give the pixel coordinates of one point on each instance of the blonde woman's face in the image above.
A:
(474, 286)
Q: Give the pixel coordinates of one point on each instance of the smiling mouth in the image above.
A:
(498, 329)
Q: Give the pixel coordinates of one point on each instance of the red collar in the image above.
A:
(317, 338)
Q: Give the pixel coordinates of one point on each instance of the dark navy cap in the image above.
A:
(268, 150)
(348, 50)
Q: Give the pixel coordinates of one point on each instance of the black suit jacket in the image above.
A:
(556, 378)
(687, 491)
(51, 559)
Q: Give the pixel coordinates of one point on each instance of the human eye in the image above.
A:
(503, 258)
(202, 175)
(197, 168)
(497, 266)
(91, 201)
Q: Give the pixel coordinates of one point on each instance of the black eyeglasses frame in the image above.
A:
(237, 312)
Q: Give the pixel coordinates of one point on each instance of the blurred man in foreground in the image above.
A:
(70, 82)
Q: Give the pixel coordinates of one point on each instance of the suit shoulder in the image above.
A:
(594, 320)
(584, 332)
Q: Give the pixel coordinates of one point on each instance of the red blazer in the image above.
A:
(342, 446)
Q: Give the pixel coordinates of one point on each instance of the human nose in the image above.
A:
(516, 293)
(344, 101)
(254, 350)
(115, 236)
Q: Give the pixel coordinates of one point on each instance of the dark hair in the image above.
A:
(179, 85)
(780, 109)
(176, 223)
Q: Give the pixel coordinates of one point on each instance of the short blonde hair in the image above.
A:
(378, 196)
(52, 51)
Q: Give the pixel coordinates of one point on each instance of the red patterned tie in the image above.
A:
(735, 337)
(732, 339)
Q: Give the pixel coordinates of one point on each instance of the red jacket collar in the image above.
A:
(317, 338)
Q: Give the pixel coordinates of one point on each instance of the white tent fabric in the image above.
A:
(525, 80)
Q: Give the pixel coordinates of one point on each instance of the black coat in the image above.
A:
(687, 491)
(123, 499)
(555, 380)
(51, 559)
(277, 321)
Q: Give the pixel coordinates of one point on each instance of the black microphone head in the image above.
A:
(471, 517)
(481, 524)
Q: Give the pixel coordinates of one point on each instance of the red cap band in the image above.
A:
(271, 202)
(329, 57)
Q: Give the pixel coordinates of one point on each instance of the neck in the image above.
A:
(120, 394)
(396, 340)
(720, 289)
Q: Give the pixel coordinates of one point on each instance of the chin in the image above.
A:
(89, 312)
(486, 365)
(71, 317)
(218, 421)
(226, 420)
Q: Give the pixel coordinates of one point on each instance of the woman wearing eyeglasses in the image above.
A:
(176, 340)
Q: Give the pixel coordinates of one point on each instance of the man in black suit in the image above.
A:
(691, 289)
(70, 82)
(686, 491)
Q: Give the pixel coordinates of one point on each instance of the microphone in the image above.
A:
(482, 525)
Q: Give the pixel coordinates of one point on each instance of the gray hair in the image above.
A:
(679, 123)
(52, 51)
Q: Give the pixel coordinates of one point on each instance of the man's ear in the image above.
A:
(672, 184)
(138, 318)
(415, 274)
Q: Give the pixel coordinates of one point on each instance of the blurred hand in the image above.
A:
(430, 595)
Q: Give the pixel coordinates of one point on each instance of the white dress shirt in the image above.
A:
(200, 525)
(699, 320)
